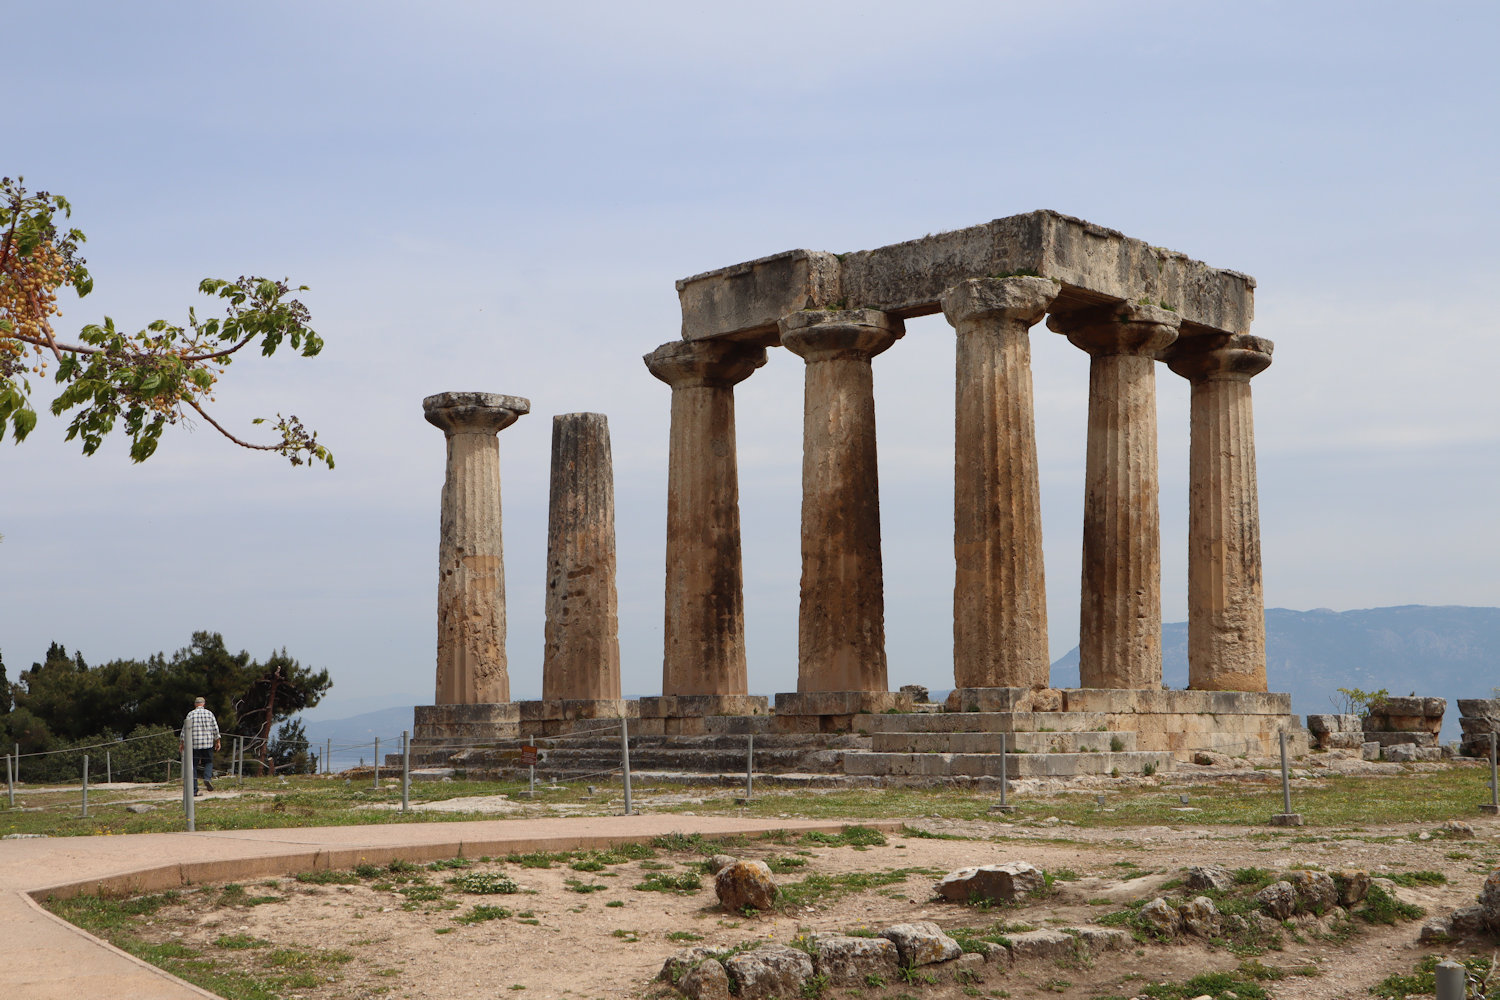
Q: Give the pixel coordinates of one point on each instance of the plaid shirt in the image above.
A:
(201, 728)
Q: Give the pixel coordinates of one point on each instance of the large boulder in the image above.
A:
(922, 943)
(1316, 891)
(1277, 900)
(1161, 918)
(745, 883)
(772, 970)
(1202, 877)
(846, 961)
(706, 981)
(1201, 918)
(1489, 901)
(1005, 883)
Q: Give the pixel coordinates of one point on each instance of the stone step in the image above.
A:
(987, 742)
(982, 722)
(1025, 765)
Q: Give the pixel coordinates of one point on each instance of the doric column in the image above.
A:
(471, 563)
(999, 591)
(1120, 615)
(841, 624)
(704, 649)
(1226, 609)
(581, 660)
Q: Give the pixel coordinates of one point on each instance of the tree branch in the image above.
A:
(220, 428)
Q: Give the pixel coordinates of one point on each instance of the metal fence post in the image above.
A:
(405, 771)
(109, 775)
(328, 756)
(749, 765)
(10, 778)
(1286, 777)
(1494, 807)
(377, 762)
(18, 762)
(1452, 981)
(188, 805)
(1003, 806)
(625, 759)
(85, 812)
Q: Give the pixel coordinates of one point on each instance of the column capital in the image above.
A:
(829, 334)
(1021, 299)
(1234, 357)
(473, 412)
(1119, 328)
(686, 364)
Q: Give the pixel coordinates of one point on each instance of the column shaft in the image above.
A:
(1000, 592)
(841, 625)
(581, 659)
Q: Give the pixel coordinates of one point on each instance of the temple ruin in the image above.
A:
(1127, 304)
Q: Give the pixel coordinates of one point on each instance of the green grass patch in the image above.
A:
(681, 883)
(240, 942)
(818, 888)
(483, 912)
(484, 883)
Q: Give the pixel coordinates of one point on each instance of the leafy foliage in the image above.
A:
(147, 380)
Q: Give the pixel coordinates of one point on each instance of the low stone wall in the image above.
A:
(1407, 715)
(1479, 718)
(833, 711)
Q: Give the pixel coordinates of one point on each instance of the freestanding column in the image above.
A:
(471, 565)
(999, 591)
(1226, 610)
(705, 611)
(1120, 628)
(582, 655)
(841, 625)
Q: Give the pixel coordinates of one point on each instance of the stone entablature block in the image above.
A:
(1407, 715)
(465, 723)
(1092, 264)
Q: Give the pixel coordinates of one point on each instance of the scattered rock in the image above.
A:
(681, 963)
(1201, 917)
(1401, 753)
(1352, 884)
(745, 883)
(991, 883)
(708, 981)
(922, 943)
(1469, 921)
(1457, 829)
(848, 960)
(25, 836)
(1278, 899)
(1208, 758)
(139, 807)
(1489, 901)
(1102, 939)
(918, 692)
(1369, 751)
(772, 970)
(996, 953)
(1042, 944)
(1161, 918)
(1438, 930)
(718, 863)
(1204, 877)
(1316, 891)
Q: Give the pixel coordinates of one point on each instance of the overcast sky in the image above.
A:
(499, 197)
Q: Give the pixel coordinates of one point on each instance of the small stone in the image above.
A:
(1352, 884)
(1161, 918)
(718, 863)
(922, 943)
(1208, 758)
(772, 970)
(995, 953)
(1278, 899)
(1457, 829)
(1203, 877)
(139, 807)
(848, 960)
(746, 883)
(708, 981)
(1200, 917)
(1316, 891)
(1005, 883)
(1436, 931)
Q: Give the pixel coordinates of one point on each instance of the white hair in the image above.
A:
(198, 701)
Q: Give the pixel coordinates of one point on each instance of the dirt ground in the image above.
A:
(367, 940)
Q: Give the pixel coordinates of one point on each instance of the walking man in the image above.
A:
(202, 729)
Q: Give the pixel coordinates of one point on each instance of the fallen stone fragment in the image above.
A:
(1316, 891)
(746, 883)
(139, 807)
(1005, 883)
(1204, 877)
(708, 981)
(922, 943)
(1369, 751)
(1043, 944)
(772, 970)
(1208, 758)
(1201, 918)
(1352, 884)
(1161, 918)
(1457, 829)
(848, 960)
(1489, 901)
(1101, 939)
(681, 963)
(1278, 899)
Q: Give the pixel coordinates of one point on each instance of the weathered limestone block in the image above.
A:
(1390, 739)
(841, 620)
(679, 963)
(719, 862)
(1466, 922)
(1005, 883)
(772, 970)
(1489, 901)
(1101, 939)
(1161, 918)
(1369, 750)
(1316, 891)
(706, 981)
(1209, 877)
(1000, 592)
(1201, 918)
(1479, 720)
(704, 645)
(1407, 715)
(1120, 627)
(1042, 944)
(921, 943)
(1278, 900)
(471, 664)
(846, 961)
(581, 659)
(1341, 741)
(1352, 884)
(746, 883)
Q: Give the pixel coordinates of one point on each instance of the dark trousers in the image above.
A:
(203, 763)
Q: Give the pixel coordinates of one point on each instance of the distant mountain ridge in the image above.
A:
(1443, 651)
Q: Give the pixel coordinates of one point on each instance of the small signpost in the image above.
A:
(528, 758)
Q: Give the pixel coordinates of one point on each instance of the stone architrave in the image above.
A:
(1120, 615)
(704, 634)
(841, 624)
(471, 666)
(581, 660)
(1226, 609)
(1000, 591)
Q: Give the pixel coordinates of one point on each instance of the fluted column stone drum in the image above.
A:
(704, 627)
(1120, 614)
(1000, 590)
(471, 664)
(1226, 606)
(841, 623)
